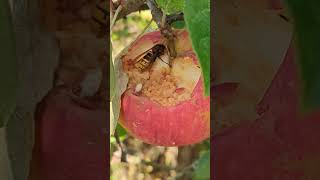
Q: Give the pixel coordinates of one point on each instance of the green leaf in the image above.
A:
(119, 81)
(8, 65)
(178, 24)
(112, 76)
(202, 167)
(306, 17)
(121, 132)
(112, 140)
(170, 6)
(113, 121)
(197, 18)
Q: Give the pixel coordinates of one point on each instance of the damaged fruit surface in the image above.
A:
(165, 105)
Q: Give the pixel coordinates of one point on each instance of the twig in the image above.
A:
(284, 17)
(163, 20)
(130, 6)
(115, 16)
(123, 152)
(156, 12)
(175, 17)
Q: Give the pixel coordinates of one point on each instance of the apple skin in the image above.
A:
(183, 124)
(71, 141)
(186, 123)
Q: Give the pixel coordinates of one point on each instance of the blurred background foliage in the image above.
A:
(127, 29)
(144, 161)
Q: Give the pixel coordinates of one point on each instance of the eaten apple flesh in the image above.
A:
(165, 105)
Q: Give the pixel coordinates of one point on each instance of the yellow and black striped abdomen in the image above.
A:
(144, 62)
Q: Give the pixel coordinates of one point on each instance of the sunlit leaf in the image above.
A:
(119, 81)
(112, 76)
(197, 18)
(121, 132)
(171, 6)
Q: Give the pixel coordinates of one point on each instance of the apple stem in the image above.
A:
(162, 21)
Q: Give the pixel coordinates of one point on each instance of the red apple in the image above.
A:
(152, 116)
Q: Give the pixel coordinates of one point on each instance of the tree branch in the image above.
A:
(129, 6)
(156, 12)
(123, 152)
(175, 17)
(163, 21)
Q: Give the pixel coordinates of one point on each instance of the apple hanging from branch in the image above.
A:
(165, 105)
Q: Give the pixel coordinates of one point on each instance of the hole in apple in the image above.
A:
(165, 85)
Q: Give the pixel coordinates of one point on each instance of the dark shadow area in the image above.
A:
(59, 129)
(258, 129)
